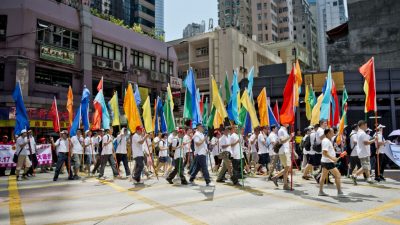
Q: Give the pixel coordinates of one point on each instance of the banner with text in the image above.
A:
(393, 152)
(43, 154)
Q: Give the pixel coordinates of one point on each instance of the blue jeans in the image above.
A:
(200, 164)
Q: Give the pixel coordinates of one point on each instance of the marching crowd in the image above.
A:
(273, 151)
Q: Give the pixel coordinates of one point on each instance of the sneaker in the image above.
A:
(275, 180)
(220, 181)
(19, 178)
(70, 178)
(341, 194)
(287, 188)
(55, 179)
(210, 184)
(192, 182)
(321, 193)
(76, 177)
(377, 179)
(169, 181)
(305, 178)
(24, 177)
(102, 178)
(382, 178)
(138, 182)
(354, 179)
(370, 181)
(184, 182)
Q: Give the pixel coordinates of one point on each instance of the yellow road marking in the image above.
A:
(16, 214)
(371, 213)
(36, 186)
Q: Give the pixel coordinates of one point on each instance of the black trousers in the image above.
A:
(354, 161)
(200, 164)
(382, 165)
(124, 159)
(236, 170)
(97, 164)
(34, 161)
(178, 169)
(61, 159)
(139, 165)
(107, 158)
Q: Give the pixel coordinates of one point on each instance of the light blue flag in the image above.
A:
(105, 117)
(250, 77)
(198, 98)
(21, 116)
(76, 123)
(232, 108)
(326, 101)
(137, 95)
(85, 108)
(190, 84)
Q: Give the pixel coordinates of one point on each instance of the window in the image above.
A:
(171, 68)
(259, 16)
(265, 15)
(258, 6)
(265, 5)
(1, 72)
(335, 3)
(53, 77)
(279, 53)
(109, 87)
(163, 68)
(266, 37)
(202, 73)
(260, 36)
(3, 27)
(48, 33)
(275, 28)
(259, 26)
(203, 51)
(106, 50)
(266, 27)
(294, 27)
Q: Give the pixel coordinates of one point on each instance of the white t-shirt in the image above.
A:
(304, 149)
(187, 143)
(137, 148)
(179, 151)
(224, 140)
(262, 143)
(273, 138)
(282, 135)
(24, 150)
(163, 148)
(353, 143)
(146, 146)
(33, 144)
(89, 149)
(312, 141)
(121, 141)
(171, 136)
(214, 144)
(380, 139)
(107, 148)
(201, 149)
(61, 145)
(363, 150)
(96, 142)
(253, 142)
(233, 138)
(320, 133)
(76, 145)
(327, 146)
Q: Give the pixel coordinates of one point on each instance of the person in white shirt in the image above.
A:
(62, 146)
(98, 147)
(284, 156)
(263, 153)
(121, 152)
(137, 153)
(237, 155)
(364, 152)
(179, 153)
(187, 145)
(77, 151)
(381, 160)
(32, 156)
(163, 154)
(200, 151)
(22, 150)
(273, 139)
(215, 150)
(225, 154)
(253, 149)
(88, 150)
(353, 149)
(323, 124)
(328, 161)
(307, 163)
(107, 155)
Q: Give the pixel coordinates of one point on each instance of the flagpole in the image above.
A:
(376, 120)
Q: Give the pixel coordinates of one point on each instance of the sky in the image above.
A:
(179, 13)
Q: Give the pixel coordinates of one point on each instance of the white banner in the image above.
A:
(43, 154)
(393, 152)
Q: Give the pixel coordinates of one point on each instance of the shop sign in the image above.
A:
(57, 54)
(175, 82)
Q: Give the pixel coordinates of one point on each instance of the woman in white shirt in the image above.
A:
(215, 150)
(328, 161)
(163, 153)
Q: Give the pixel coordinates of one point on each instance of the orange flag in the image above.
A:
(263, 108)
(299, 81)
(70, 103)
(368, 72)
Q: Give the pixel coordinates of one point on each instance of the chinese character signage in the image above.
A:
(57, 54)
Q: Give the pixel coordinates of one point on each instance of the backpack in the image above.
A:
(349, 148)
(100, 148)
(317, 147)
(277, 146)
(306, 143)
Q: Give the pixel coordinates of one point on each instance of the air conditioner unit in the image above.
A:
(164, 78)
(153, 76)
(101, 64)
(117, 66)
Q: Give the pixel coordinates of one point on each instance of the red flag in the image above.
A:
(96, 125)
(335, 116)
(201, 104)
(276, 112)
(287, 110)
(54, 115)
(100, 85)
(368, 72)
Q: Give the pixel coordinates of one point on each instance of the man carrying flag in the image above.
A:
(62, 149)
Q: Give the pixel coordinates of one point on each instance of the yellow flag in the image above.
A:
(308, 106)
(262, 107)
(217, 101)
(218, 120)
(148, 123)
(170, 97)
(131, 110)
(248, 105)
(70, 102)
(341, 129)
(238, 101)
(316, 110)
(113, 103)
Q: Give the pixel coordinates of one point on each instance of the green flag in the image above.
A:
(344, 104)
(312, 99)
(227, 89)
(242, 116)
(205, 112)
(187, 109)
(169, 116)
(210, 120)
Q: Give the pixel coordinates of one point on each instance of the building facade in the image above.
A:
(235, 13)
(265, 20)
(49, 46)
(159, 17)
(194, 29)
(330, 13)
(220, 52)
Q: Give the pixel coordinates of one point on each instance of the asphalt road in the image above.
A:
(39, 200)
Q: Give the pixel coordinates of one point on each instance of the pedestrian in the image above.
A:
(226, 154)
(200, 149)
(121, 152)
(77, 152)
(316, 146)
(177, 147)
(353, 149)
(98, 148)
(107, 155)
(137, 140)
(163, 154)
(364, 152)
(88, 151)
(187, 145)
(33, 157)
(254, 149)
(22, 152)
(285, 156)
(263, 153)
(306, 147)
(380, 154)
(328, 161)
(274, 157)
(62, 146)
(215, 150)
(237, 156)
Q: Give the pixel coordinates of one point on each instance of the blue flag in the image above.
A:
(21, 116)
(272, 119)
(250, 77)
(76, 123)
(190, 84)
(326, 101)
(232, 108)
(247, 127)
(85, 108)
(137, 95)
(160, 114)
